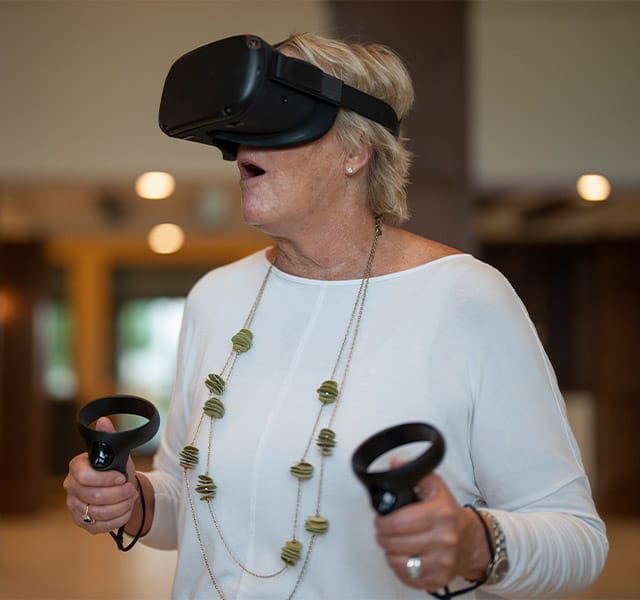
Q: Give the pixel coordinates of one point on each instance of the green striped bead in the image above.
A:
(242, 340)
(189, 457)
(291, 552)
(303, 470)
(206, 488)
(328, 391)
(215, 383)
(214, 408)
(326, 441)
(316, 524)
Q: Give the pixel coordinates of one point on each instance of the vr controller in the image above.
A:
(110, 450)
(391, 489)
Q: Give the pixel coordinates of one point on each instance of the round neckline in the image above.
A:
(349, 282)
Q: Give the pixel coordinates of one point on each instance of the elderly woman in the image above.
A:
(293, 356)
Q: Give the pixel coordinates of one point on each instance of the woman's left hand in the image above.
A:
(448, 539)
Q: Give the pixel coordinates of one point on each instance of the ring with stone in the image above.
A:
(413, 567)
(86, 517)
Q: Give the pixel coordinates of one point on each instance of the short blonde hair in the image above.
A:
(377, 70)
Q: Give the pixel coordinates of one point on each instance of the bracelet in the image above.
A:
(119, 536)
(500, 564)
(487, 535)
(447, 594)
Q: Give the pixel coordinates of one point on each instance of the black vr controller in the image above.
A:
(394, 488)
(110, 450)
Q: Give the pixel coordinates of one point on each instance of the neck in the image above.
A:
(337, 252)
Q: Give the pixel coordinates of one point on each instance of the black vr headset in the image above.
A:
(243, 91)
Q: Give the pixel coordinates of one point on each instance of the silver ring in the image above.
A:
(413, 567)
(86, 517)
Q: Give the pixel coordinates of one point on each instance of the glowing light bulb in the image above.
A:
(155, 185)
(593, 188)
(165, 238)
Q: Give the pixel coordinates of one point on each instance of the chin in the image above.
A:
(257, 211)
(252, 213)
(255, 218)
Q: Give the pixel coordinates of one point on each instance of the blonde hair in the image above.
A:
(377, 70)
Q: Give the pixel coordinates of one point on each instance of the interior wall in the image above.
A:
(81, 81)
(554, 92)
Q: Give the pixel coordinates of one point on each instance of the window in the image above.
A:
(147, 333)
(54, 327)
(54, 330)
(148, 314)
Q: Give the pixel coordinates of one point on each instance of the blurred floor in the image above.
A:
(45, 557)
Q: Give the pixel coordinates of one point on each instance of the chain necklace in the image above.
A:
(329, 393)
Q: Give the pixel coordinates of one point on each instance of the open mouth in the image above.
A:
(249, 170)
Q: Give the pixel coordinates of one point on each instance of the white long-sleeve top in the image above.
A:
(448, 343)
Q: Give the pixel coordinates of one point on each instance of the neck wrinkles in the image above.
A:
(336, 255)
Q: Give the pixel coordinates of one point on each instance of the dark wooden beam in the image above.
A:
(432, 39)
(24, 461)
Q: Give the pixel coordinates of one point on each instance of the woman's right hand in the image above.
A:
(109, 496)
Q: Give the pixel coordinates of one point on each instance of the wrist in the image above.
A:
(141, 518)
(499, 566)
(481, 544)
(496, 545)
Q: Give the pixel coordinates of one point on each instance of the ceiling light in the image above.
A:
(155, 185)
(593, 188)
(166, 238)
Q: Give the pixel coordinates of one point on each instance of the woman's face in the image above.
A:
(292, 189)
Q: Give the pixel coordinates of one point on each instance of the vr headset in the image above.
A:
(243, 91)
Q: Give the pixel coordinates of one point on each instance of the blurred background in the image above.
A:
(526, 132)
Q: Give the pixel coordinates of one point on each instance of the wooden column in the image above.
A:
(90, 296)
(615, 353)
(431, 38)
(23, 410)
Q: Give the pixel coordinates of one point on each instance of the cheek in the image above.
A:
(321, 175)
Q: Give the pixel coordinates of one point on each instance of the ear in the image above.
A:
(357, 158)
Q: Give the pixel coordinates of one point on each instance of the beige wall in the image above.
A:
(555, 92)
(81, 81)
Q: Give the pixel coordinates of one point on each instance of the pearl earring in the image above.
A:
(349, 170)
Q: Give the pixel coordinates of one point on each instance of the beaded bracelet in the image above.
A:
(118, 537)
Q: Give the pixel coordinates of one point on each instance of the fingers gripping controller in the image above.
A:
(395, 488)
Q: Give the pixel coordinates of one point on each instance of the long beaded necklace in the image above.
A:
(329, 392)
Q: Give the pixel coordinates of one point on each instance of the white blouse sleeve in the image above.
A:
(526, 461)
